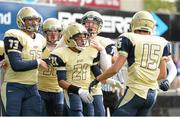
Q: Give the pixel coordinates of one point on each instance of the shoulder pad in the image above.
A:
(19, 34)
(13, 33)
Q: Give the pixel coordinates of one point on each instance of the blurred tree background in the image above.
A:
(167, 6)
(178, 5)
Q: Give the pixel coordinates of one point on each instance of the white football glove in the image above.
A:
(85, 96)
(115, 84)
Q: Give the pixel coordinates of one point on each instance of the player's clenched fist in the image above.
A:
(164, 85)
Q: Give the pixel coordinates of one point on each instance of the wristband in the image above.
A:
(73, 89)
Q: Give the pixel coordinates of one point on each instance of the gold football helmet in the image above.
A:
(144, 21)
(28, 13)
(94, 16)
(72, 31)
(52, 25)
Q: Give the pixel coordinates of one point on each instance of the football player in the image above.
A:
(51, 93)
(75, 62)
(146, 56)
(23, 50)
(93, 22)
(1, 71)
(1, 61)
(1, 50)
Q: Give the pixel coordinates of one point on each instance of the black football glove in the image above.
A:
(164, 85)
(92, 84)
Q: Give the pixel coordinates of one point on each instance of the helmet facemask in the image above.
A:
(52, 29)
(81, 41)
(29, 25)
(76, 36)
(28, 19)
(93, 22)
(52, 36)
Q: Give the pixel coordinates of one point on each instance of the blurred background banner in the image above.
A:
(115, 21)
(106, 4)
(30, 1)
(8, 12)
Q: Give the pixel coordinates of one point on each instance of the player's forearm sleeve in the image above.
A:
(172, 71)
(61, 74)
(20, 65)
(96, 70)
(105, 61)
